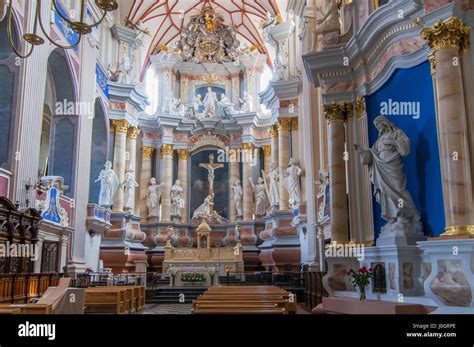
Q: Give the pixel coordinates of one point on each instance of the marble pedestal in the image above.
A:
(336, 279)
(122, 245)
(449, 268)
(403, 270)
(281, 242)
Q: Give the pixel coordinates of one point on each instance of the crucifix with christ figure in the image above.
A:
(211, 167)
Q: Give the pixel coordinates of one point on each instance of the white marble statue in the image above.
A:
(205, 209)
(260, 194)
(225, 101)
(327, 22)
(387, 175)
(173, 105)
(210, 103)
(197, 102)
(247, 102)
(237, 196)
(125, 70)
(273, 189)
(153, 197)
(129, 184)
(177, 201)
(182, 110)
(109, 184)
(293, 183)
(237, 231)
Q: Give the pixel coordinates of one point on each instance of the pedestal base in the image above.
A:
(449, 269)
(281, 243)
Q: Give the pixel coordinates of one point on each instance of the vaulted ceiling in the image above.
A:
(166, 18)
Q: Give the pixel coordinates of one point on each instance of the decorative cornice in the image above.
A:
(284, 124)
(166, 149)
(338, 111)
(183, 154)
(133, 133)
(449, 33)
(267, 150)
(121, 126)
(147, 152)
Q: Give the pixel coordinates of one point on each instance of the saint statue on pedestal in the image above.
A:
(153, 197)
(237, 195)
(273, 189)
(177, 201)
(210, 103)
(293, 183)
(109, 184)
(387, 175)
(260, 197)
(130, 184)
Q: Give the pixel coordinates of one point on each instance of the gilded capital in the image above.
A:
(449, 33)
(337, 111)
(274, 130)
(248, 147)
(133, 133)
(147, 152)
(284, 124)
(166, 149)
(267, 150)
(294, 124)
(121, 126)
(183, 154)
(361, 106)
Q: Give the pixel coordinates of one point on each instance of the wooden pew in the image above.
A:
(245, 300)
(27, 308)
(115, 299)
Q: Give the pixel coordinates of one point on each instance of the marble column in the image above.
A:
(448, 39)
(235, 80)
(247, 173)
(336, 114)
(183, 157)
(147, 166)
(121, 129)
(234, 175)
(294, 139)
(283, 159)
(274, 145)
(167, 153)
(131, 154)
(267, 159)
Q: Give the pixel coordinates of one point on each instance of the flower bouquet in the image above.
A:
(361, 279)
(172, 271)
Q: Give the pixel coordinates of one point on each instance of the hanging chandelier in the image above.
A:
(80, 27)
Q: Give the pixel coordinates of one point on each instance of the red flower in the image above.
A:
(350, 272)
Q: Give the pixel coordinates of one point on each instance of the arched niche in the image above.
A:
(60, 100)
(99, 148)
(9, 68)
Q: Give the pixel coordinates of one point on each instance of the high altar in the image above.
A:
(204, 259)
(211, 152)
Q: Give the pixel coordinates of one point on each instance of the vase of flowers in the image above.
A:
(212, 273)
(172, 271)
(361, 279)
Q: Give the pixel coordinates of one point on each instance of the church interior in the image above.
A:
(196, 157)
